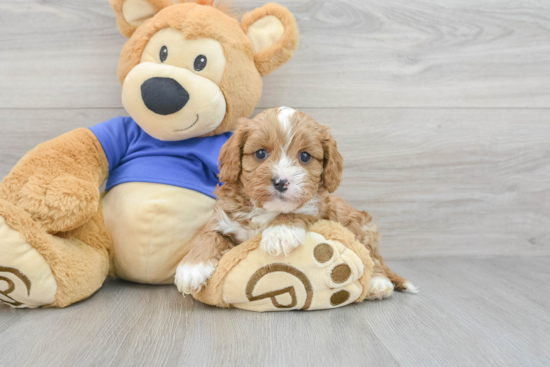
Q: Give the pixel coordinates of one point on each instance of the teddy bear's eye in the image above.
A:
(200, 62)
(163, 53)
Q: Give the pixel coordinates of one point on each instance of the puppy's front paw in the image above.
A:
(282, 239)
(190, 278)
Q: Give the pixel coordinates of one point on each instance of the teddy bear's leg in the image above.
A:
(40, 269)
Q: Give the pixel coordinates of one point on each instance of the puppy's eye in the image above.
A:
(163, 55)
(305, 157)
(261, 154)
(200, 62)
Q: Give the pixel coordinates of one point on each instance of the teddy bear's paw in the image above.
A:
(380, 287)
(26, 280)
(320, 274)
(190, 278)
(279, 240)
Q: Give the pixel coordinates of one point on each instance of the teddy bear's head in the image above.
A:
(189, 69)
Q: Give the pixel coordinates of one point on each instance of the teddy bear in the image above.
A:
(188, 72)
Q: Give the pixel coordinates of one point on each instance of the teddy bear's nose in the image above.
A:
(163, 96)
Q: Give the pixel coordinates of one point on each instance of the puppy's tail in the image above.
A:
(401, 284)
(371, 239)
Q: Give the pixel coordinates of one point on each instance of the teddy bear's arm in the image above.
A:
(57, 182)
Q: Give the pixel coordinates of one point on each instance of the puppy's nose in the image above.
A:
(279, 185)
(163, 96)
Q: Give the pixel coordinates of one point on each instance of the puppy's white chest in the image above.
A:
(256, 222)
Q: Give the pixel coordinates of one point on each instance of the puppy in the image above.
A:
(279, 170)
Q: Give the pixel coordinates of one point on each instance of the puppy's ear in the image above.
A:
(333, 163)
(130, 14)
(232, 152)
(274, 34)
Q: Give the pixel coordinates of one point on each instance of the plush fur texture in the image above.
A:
(280, 52)
(126, 28)
(249, 205)
(57, 182)
(51, 197)
(55, 190)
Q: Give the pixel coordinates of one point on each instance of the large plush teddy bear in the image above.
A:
(188, 72)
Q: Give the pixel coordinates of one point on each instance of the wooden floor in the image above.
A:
(441, 110)
(471, 312)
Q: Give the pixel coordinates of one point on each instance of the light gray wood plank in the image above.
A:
(235, 338)
(59, 54)
(438, 182)
(458, 53)
(476, 312)
(124, 324)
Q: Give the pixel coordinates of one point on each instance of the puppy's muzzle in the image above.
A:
(163, 96)
(280, 185)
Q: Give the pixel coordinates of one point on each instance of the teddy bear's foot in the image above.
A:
(329, 270)
(40, 269)
(26, 280)
(320, 274)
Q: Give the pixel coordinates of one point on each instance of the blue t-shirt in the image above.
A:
(135, 156)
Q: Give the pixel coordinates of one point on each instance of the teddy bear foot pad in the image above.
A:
(317, 275)
(26, 280)
(323, 273)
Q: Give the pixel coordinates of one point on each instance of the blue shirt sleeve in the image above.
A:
(113, 136)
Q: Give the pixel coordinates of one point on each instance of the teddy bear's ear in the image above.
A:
(130, 14)
(274, 34)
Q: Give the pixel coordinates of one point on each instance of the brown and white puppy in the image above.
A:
(279, 170)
